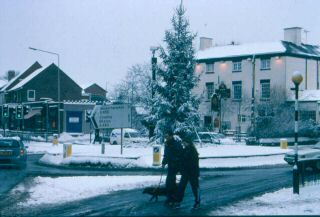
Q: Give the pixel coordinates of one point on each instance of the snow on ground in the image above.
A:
(141, 155)
(282, 202)
(47, 190)
(238, 150)
(241, 161)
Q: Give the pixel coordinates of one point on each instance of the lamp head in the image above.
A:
(153, 49)
(32, 48)
(199, 68)
(297, 78)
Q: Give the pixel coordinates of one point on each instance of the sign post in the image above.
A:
(111, 116)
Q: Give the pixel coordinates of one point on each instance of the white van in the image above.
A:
(128, 136)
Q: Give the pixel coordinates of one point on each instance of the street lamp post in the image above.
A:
(253, 124)
(58, 56)
(154, 65)
(153, 49)
(296, 79)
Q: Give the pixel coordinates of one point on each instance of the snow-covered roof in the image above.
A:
(262, 48)
(27, 79)
(3, 82)
(242, 50)
(11, 81)
(306, 95)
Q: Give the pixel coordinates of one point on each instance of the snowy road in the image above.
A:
(219, 188)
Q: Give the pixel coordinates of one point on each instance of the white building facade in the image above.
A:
(259, 71)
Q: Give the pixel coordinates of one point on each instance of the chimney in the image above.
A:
(293, 35)
(205, 43)
(11, 74)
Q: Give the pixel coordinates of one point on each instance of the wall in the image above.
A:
(280, 81)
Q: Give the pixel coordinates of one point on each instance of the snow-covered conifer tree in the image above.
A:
(174, 106)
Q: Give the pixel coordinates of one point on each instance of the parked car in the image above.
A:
(128, 136)
(13, 152)
(251, 141)
(310, 157)
(206, 137)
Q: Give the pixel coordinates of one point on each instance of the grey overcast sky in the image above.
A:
(98, 40)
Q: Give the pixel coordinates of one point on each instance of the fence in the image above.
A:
(29, 136)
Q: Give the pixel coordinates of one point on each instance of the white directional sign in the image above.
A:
(111, 116)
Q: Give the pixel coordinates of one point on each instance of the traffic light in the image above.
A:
(19, 112)
(215, 102)
(5, 111)
(26, 109)
(88, 116)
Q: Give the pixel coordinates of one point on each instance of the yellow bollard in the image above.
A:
(55, 139)
(156, 155)
(67, 150)
(283, 143)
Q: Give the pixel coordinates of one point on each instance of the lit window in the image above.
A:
(236, 66)
(210, 89)
(31, 94)
(237, 90)
(210, 68)
(265, 64)
(265, 89)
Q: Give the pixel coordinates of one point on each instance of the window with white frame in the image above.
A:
(241, 118)
(210, 89)
(236, 66)
(237, 89)
(31, 95)
(209, 68)
(265, 89)
(265, 64)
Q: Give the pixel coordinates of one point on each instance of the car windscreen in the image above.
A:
(134, 135)
(221, 136)
(205, 136)
(9, 143)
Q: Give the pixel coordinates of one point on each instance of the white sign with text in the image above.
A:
(111, 116)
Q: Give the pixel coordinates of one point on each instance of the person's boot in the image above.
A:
(176, 205)
(196, 204)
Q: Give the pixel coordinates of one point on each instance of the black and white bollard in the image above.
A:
(296, 79)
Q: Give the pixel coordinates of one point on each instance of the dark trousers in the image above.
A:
(194, 181)
(171, 184)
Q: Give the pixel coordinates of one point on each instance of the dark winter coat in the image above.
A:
(190, 161)
(172, 153)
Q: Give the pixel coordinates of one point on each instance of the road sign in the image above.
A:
(111, 116)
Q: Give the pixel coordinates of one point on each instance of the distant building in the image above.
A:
(37, 89)
(95, 93)
(269, 66)
(38, 82)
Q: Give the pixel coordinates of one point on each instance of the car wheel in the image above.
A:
(114, 143)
